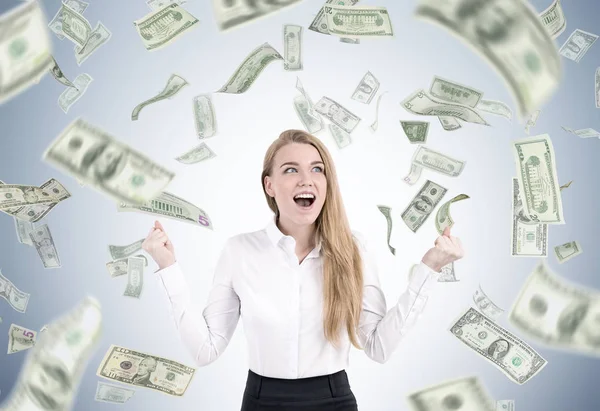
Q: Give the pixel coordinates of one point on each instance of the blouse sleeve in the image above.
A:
(205, 334)
(380, 330)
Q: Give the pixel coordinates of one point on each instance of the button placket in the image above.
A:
(295, 304)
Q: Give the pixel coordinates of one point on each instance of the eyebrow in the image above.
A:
(296, 164)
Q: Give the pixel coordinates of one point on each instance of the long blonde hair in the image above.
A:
(342, 262)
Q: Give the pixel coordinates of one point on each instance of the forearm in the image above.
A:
(204, 338)
(382, 334)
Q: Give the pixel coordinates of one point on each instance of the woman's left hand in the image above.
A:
(447, 249)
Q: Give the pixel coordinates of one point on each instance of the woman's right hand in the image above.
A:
(158, 245)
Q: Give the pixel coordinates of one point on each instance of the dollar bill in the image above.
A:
(517, 32)
(54, 366)
(495, 107)
(421, 103)
(18, 195)
(123, 251)
(538, 180)
(566, 185)
(20, 338)
(532, 120)
(463, 394)
(233, 14)
(145, 370)
(159, 4)
(59, 75)
(205, 119)
(311, 106)
(449, 123)
(505, 405)
(75, 27)
(337, 114)
(68, 97)
(366, 89)
(292, 47)
(416, 131)
(375, 124)
(199, 153)
(56, 23)
(44, 244)
(558, 313)
(414, 174)
(583, 133)
(447, 274)
(357, 21)
(342, 139)
(577, 45)
(566, 251)
(597, 87)
(507, 352)
(247, 72)
(173, 86)
(454, 92)
(113, 393)
(23, 229)
(35, 212)
(349, 41)
(99, 36)
(162, 27)
(16, 298)
(120, 267)
(436, 161)
(443, 218)
(553, 19)
(528, 238)
(92, 155)
(302, 108)
(422, 205)
(135, 277)
(387, 213)
(320, 23)
(486, 305)
(25, 47)
(170, 206)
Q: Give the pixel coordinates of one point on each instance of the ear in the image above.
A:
(268, 188)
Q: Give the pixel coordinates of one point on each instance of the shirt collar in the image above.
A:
(275, 234)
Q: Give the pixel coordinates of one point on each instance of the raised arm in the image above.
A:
(205, 333)
(380, 330)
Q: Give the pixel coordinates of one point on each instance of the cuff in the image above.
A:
(422, 278)
(172, 279)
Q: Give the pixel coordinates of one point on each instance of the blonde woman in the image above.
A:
(305, 286)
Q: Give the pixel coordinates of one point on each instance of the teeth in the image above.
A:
(304, 196)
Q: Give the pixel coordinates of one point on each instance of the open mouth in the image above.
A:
(305, 203)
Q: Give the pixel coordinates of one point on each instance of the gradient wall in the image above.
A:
(228, 188)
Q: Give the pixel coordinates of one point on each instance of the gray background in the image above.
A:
(228, 188)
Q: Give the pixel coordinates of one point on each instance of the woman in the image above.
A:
(305, 287)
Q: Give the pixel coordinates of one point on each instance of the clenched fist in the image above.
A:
(447, 249)
(158, 245)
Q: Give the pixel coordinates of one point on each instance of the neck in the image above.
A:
(303, 234)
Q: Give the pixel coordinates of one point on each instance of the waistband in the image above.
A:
(311, 388)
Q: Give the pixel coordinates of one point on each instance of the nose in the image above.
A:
(305, 179)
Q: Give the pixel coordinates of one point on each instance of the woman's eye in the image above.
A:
(292, 168)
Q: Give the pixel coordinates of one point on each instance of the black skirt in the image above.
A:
(322, 393)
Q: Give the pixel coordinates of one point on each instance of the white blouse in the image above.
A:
(280, 301)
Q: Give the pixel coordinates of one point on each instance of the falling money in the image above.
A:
(145, 370)
(558, 313)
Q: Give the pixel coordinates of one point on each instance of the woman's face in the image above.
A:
(287, 180)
